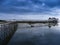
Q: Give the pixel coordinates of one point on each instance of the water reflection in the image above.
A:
(36, 36)
(52, 24)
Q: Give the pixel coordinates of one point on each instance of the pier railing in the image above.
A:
(7, 28)
(6, 32)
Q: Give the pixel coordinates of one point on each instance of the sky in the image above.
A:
(21, 8)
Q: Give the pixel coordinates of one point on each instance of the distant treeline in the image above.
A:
(3, 21)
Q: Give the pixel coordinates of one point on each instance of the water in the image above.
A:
(26, 35)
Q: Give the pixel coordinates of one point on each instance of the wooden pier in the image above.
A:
(6, 32)
(8, 28)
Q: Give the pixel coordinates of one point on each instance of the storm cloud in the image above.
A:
(27, 6)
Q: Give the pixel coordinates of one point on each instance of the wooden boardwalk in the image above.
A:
(6, 32)
(7, 28)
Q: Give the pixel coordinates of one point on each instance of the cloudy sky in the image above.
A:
(21, 8)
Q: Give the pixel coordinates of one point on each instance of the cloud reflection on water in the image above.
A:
(36, 36)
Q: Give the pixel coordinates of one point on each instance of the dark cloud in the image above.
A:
(11, 6)
(52, 3)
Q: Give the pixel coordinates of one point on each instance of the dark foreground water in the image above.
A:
(36, 36)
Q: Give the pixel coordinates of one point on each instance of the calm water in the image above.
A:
(36, 36)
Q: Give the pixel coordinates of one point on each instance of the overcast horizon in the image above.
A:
(20, 9)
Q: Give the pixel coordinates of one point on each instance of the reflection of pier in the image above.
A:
(7, 28)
